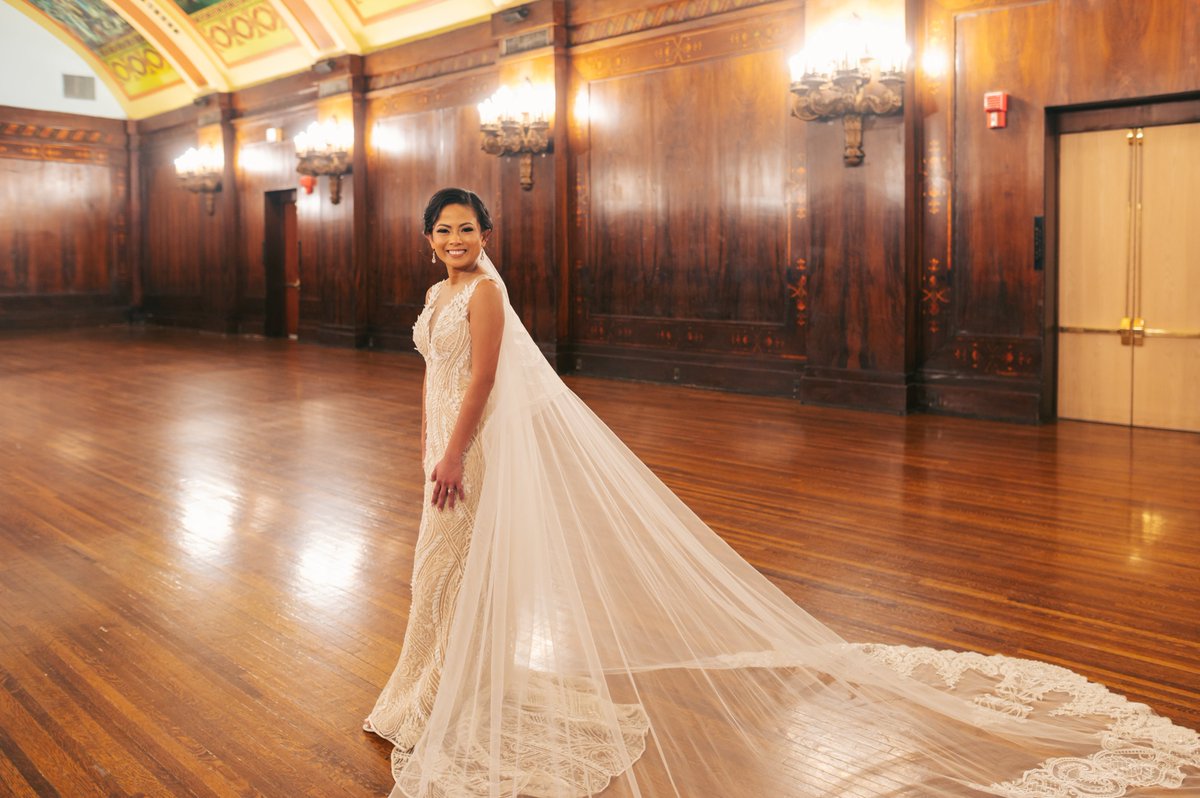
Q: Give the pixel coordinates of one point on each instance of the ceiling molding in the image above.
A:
(163, 33)
(158, 55)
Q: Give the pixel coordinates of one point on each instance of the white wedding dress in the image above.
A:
(576, 630)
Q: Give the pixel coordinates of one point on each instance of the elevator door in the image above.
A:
(1129, 277)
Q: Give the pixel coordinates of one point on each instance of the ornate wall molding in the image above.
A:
(433, 69)
(54, 152)
(48, 133)
(655, 17)
(462, 91)
(990, 356)
(683, 48)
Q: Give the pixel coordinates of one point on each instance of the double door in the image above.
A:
(1129, 277)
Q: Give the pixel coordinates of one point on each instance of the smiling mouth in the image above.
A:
(456, 253)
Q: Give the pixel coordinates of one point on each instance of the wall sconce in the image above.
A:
(324, 149)
(200, 170)
(517, 123)
(850, 89)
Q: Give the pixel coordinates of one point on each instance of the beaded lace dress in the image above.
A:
(444, 340)
(576, 630)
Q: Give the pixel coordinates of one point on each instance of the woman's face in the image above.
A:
(456, 237)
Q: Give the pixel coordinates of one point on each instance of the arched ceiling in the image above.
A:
(157, 55)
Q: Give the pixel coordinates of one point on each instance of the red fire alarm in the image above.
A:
(995, 104)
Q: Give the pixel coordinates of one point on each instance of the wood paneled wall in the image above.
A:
(685, 226)
(688, 244)
(987, 320)
(423, 135)
(64, 219)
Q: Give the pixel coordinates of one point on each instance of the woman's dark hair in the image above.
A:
(456, 196)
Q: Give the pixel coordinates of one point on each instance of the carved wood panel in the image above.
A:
(983, 307)
(421, 139)
(688, 207)
(63, 244)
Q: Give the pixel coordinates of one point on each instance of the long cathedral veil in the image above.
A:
(606, 641)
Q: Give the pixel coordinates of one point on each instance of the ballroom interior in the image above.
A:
(902, 297)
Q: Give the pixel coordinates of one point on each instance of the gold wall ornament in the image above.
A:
(324, 149)
(849, 91)
(518, 123)
(200, 170)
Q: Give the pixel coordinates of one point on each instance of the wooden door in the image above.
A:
(281, 264)
(1166, 357)
(291, 268)
(1129, 276)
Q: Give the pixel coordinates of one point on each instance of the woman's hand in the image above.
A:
(447, 481)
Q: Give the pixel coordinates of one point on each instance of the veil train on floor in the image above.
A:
(606, 641)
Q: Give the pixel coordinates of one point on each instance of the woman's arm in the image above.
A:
(485, 314)
(424, 385)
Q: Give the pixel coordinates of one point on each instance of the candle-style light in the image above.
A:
(323, 148)
(858, 80)
(200, 170)
(518, 123)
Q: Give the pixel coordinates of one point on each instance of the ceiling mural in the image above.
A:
(131, 63)
(239, 30)
(157, 55)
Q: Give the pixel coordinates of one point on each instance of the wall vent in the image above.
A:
(79, 87)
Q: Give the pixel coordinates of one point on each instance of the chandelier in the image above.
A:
(323, 148)
(518, 123)
(200, 170)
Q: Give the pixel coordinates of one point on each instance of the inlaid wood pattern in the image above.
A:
(205, 546)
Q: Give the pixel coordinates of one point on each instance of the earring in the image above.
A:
(433, 257)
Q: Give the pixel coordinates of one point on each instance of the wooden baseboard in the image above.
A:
(342, 335)
(863, 390)
(722, 372)
(60, 311)
(1003, 401)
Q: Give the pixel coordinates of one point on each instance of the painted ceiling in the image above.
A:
(157, 55)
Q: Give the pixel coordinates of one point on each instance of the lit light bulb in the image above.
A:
(934, 63)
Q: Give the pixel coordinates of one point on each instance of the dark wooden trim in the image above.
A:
(231, 266)
(639, 19)
(865, 390)
(341, 335)
(980, 398)
(136, 204)
(1139, 112)
(729, 373)
(58, 127)
(164, 122)
(364, 282)
(51, 311)
(471, 47)
(914, 184)
(392, 339)
(176, 310)
(281, 95)
(1048, 406)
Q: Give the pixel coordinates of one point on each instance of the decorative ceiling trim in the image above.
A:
(178, 26)
(160, 55)
(141, 80)
(316, 38)
(332, 15)
(198, 73)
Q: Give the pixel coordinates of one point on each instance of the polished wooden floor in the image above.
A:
(205, 546)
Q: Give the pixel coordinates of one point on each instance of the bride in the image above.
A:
(575, 630)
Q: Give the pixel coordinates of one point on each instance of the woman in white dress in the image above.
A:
(575, 630)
